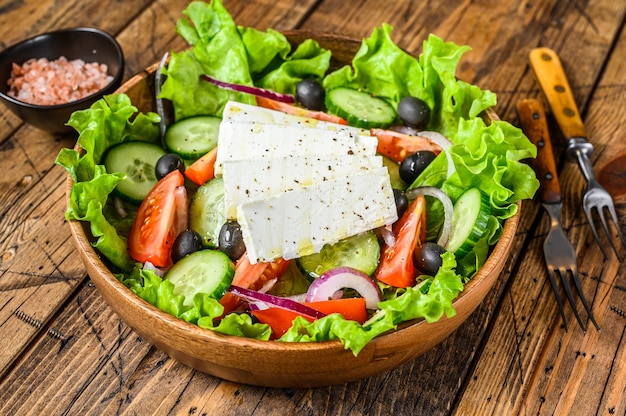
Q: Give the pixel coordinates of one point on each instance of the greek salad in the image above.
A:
(289, 201)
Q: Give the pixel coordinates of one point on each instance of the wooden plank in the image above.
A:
(125, 375)
(34, 242)
(38, 17)
(529, 365)
(60, 370)
(588, 361)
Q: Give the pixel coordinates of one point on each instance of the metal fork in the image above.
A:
(595, 196)
(559, 254)
(551, 76)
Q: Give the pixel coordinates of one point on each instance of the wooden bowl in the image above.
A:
(270, 363)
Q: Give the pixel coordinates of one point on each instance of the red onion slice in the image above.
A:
(261, 92)
(447, 208)
(386, 233)
(252, 296)
(443, 142)
(331, 281)
(159, 271)
(181, 217)
(119, 207)
(401, 128)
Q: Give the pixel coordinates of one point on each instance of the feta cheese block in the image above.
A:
(300, 222)
(250, 140)
(247, 180)
(234, 111)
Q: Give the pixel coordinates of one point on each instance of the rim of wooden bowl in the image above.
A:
(212, 352)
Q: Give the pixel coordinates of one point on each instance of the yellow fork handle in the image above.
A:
(549, 72)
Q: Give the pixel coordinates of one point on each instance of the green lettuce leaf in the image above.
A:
(233, 54)
(107, 122)
(265, 50)
(309, 61)
(217, 50)
(383, 69)
(204, 312)
(86, 203)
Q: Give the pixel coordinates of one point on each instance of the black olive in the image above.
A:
(167, 163)
(230, 240)
(427, 258)
(310, 94)
(414, 164)
(413, 112)
(402, 202)
(186, 243)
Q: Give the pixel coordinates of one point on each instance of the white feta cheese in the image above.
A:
(240, 112)
(247, 180)
(251, 140)
(300, 222)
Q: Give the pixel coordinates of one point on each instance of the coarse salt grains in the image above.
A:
(44, 82)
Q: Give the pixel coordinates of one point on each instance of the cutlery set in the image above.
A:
(559, 253)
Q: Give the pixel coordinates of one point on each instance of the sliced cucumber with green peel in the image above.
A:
(193, 137)
(206, 212)
(205, 271)
(470, 217)
(394, 174)
(136, 159)
(361, 252)
(359, 108)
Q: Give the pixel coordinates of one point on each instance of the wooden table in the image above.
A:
(63, 350)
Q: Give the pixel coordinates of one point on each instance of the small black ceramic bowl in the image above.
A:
(88, 44)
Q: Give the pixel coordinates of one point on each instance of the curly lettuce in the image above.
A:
(109, 121)
(234, 54)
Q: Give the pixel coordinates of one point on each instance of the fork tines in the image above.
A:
(588, 208)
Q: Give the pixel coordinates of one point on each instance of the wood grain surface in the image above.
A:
(63, 350)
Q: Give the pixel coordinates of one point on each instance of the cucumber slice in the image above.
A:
(137, 160)
(206, 212)
(205, 271)
(359, 108)
(469, 221)
(193, 137)
(394, 174)
(360, 252)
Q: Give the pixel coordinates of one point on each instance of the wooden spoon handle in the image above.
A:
(532, 118)
(549, 72)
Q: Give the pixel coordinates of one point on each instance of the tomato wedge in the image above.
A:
(280, 320)
(153, 230)
(203, 170)
(352, 309)
(252, 276)
(396, 263)
(298, 111)
(397, 146)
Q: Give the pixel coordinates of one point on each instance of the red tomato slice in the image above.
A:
(350, 308)
(152, 233)
(252, 276)
(397, 146)
(298, 111)
(203, 170)
(396, 263)
(280, 320)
